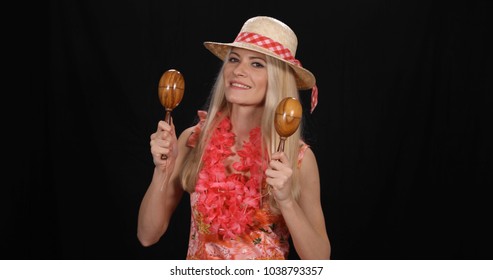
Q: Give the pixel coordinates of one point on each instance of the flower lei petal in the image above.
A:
(229, 202)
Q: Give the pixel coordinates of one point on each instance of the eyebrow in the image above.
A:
(250, 57)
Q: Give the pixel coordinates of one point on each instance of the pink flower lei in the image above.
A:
(228, 202)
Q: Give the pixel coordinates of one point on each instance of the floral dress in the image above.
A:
(229, 220)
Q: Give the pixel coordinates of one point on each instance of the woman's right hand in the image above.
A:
(164, 144)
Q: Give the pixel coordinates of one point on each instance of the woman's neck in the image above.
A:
(243, 120)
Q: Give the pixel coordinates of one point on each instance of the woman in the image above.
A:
(247, 199)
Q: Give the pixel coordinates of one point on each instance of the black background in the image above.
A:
(402, 133)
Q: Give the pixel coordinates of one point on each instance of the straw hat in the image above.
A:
(271, 37)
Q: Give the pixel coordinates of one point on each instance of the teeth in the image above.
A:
(239, 85)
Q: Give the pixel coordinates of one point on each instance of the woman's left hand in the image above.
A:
(279, 174)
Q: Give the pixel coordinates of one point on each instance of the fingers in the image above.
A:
(160, 147)
(279, 172)
(280, 156)
(162, 141)
(279, 161)
(278, 177)
(165, 127)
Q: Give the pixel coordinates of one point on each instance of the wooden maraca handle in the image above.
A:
(170, 91)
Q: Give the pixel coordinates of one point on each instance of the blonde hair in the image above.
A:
(281, 84)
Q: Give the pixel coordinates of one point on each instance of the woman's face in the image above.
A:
(245, 77)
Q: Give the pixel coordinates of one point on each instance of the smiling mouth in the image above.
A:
(240, 85)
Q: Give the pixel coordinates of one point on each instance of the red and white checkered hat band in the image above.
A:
(269, 44)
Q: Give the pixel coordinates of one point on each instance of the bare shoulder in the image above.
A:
(187, 132)
(309, 159)
(309, 173)
(185, 135)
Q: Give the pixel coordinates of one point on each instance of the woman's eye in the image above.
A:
(233, 59)
(257, 65)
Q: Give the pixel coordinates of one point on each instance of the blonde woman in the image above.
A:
(247, 199)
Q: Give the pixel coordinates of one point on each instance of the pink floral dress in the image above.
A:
(229, 221)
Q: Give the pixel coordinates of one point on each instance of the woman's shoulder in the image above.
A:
(301, 154)
(192, 133)
(187, 132)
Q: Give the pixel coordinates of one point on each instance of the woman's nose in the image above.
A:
(240, 70)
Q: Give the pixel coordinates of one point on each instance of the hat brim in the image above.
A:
(304, 78)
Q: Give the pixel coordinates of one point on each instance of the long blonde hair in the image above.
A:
(281, 84)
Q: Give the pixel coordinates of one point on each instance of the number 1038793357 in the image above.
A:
(293, 270)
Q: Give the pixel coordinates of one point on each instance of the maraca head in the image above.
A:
(171, 88)
(288, 116)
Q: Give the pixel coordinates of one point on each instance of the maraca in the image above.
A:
(287, 119)
(171, 88)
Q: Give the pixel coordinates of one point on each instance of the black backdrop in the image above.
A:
(402, 132)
